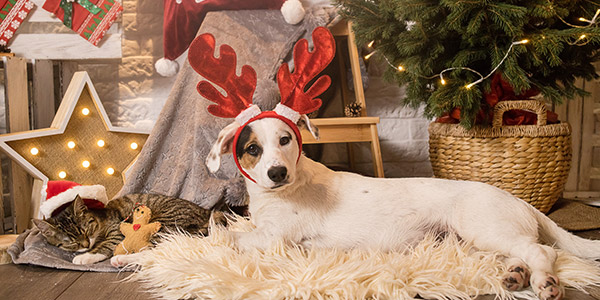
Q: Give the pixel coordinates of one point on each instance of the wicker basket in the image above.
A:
(530, 161)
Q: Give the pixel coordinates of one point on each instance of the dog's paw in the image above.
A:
(118, 261)
(88, 258)
(550, 289)
(516, 278)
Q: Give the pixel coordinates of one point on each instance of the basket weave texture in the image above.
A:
(530, 161)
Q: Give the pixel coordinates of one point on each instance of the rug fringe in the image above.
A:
(183, 266)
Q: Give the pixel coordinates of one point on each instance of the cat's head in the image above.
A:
(73, 229)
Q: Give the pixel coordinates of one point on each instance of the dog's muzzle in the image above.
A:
(277, 174)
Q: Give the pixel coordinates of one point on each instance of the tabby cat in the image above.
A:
(96, 232)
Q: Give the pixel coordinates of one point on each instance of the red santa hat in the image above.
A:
(57, 195)
(182, 19)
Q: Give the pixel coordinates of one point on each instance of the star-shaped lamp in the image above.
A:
(81, 145)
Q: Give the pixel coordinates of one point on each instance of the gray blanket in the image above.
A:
(31, 248)
(172, 160)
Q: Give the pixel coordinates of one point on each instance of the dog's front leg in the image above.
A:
(256, 239)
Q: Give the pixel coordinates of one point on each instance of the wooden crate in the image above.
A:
(31, 89)
(580, 113)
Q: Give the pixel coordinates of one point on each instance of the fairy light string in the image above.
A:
(400, 68)
(580, 41)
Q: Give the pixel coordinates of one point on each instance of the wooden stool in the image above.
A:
(349, 129)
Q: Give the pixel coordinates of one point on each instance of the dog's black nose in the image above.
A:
(277, 174)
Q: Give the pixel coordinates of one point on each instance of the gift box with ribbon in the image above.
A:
(89, 18)
(12, 14)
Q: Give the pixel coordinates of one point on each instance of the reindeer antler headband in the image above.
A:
(296, 99)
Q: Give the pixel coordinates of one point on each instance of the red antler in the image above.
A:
(222, 72)
(307, 65)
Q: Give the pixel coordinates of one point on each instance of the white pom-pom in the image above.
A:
(292, 11)
(166, 67)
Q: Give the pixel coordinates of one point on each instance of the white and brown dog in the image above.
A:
(297, 200)
(309, 204)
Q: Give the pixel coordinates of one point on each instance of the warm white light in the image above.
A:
(369, 55)
(370, 45)
(443, 81)
(469, 86)
(110, 171)
(525, 41)
(85, 164)
(71, 144)
(62, 174)
(85, 111)
(581, 37)
(400, 68)
(133, 146)
(34, 151)
(100, 143)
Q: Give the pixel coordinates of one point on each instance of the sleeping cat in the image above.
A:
(96, 232)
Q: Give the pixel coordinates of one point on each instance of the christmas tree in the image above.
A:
(446, 51)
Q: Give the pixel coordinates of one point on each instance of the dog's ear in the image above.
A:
(221, 146)
(305, 123)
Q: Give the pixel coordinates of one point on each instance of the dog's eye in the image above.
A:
(253, 150)
(284, 140)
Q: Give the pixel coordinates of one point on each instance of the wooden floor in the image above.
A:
(31, 282)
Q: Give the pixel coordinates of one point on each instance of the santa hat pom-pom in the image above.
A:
(166, 67)
(292, 11)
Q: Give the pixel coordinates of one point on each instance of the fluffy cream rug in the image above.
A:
(211, 268)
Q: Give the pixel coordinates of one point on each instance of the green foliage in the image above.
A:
(426, 37)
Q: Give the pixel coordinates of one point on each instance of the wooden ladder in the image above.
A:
(349, 129)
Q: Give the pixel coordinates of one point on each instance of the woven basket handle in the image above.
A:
(536, 106)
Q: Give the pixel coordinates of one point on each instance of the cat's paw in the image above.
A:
(88, 258)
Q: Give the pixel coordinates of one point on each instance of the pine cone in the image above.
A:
(353, 109)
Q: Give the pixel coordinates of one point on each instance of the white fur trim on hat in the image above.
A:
(247, 114)
(292, 11)
(166, 67)
(287, 112)
(97, 192)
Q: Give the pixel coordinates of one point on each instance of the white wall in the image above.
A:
(402, 132)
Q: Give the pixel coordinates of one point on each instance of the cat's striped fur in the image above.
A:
(96, 232)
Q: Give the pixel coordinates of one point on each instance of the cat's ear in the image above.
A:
(44, 227)
(79, 206)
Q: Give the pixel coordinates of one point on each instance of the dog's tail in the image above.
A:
(551, 233)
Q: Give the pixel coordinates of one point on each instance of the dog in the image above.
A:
(301, 201)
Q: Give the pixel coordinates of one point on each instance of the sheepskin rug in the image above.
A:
(183, 267)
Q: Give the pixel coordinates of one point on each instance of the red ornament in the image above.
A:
(500, 90)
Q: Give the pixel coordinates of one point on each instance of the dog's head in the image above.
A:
(266, 144)
(267, 150)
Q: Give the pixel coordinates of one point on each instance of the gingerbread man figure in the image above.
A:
(138, 234)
